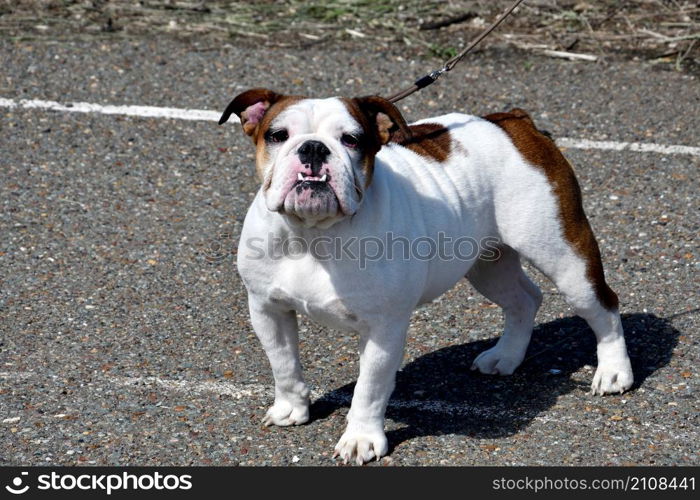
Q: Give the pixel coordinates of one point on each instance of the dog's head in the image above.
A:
(315, 157)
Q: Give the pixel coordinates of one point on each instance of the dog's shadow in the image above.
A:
(438, 393)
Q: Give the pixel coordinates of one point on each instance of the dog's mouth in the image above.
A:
(311, 180)
(317, 184)
(311, 197)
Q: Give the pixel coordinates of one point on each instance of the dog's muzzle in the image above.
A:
(311, 196)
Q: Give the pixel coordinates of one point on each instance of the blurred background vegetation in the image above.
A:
(660, 31)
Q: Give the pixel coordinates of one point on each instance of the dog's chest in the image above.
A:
(304, 285)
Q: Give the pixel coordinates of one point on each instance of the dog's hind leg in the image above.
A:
(580, 279)
(503, 281)
(570, 257)
(544, 221)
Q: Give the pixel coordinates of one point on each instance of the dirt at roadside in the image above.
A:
(665, 32)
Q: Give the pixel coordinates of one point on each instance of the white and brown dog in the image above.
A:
(352, 170)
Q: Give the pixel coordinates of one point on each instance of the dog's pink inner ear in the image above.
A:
(384, 127)
(252, 115)
(387, 118)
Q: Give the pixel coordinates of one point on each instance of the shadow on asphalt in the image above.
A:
(438, 393)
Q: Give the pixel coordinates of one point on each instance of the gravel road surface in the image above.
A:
(124, 333)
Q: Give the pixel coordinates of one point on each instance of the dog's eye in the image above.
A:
(277, 135)
(349, 141)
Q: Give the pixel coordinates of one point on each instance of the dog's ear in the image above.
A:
(250, 107)
(386, 117)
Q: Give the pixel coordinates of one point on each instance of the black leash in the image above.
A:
(432, 77)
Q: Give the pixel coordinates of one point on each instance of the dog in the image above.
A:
(352, 170)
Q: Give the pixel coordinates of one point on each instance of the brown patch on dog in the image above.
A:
(384, 127)
(273, 104)
(370, 143)
(261, 159)
(275, 109)
(430, 140)
(540, 151)
(258, 135)
(386, 118)
(380, 120)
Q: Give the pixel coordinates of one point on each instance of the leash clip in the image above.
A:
(439, 72)
(431, 77)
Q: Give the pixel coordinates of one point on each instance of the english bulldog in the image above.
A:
(351, 171)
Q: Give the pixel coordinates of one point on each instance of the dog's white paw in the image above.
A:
(361, 446)
(284, 413)
(497, 361)
(612, 378)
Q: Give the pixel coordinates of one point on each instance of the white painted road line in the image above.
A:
(236, 391)
(239, 391)
(642, 147)
(86, 107)
(207, 115)
(251, 390)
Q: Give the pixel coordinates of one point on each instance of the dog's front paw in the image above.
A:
(497, 361)
(284, 413)
(612, 378)
(361, 445)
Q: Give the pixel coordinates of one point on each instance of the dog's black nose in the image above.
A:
(314, 154)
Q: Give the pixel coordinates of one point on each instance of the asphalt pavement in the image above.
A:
(124, 333)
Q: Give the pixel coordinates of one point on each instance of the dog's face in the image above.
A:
(315, 157)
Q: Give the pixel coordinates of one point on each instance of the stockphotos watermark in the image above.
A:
(104, 483)
(360, 249)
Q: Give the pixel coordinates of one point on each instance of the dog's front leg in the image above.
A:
(278, 333)
(381, 352)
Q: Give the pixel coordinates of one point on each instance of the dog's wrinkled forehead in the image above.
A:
(329, 117)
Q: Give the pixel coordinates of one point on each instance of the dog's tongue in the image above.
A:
(311, 202)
